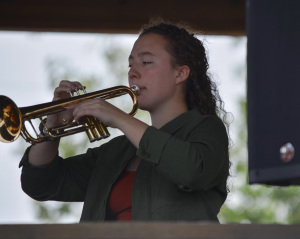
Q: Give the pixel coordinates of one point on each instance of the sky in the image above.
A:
(23, 78)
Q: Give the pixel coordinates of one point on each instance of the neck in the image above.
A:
(165, 114)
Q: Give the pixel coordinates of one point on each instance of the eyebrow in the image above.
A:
(141, 54)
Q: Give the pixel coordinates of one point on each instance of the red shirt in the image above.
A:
(119, 201)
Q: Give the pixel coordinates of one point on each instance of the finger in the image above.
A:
(91, 102)
(66, 83)
(59, 90)
(83, 112)
(83, 106)
(71, 84)
(94, 104)
(77, 84)
(72, 107)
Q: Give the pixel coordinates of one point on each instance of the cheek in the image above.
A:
(162, 76)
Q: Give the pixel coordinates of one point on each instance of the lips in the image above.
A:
(141, 88)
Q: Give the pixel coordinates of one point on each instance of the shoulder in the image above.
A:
(214, 122)
(207, 126)
(207, 122)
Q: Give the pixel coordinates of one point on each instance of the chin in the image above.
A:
(145, 107)
(141, 107)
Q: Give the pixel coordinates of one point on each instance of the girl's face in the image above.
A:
(151, 70)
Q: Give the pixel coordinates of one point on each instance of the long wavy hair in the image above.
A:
(185, 49)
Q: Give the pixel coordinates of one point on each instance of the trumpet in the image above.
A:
(12, 118)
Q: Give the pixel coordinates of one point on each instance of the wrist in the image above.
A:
(122, 121)
(133, 129)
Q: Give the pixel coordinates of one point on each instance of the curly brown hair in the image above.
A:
(185, 49)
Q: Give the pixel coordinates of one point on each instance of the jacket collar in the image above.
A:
(183, 119)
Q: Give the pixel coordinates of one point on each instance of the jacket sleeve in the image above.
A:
(198, 163)
(60, 180)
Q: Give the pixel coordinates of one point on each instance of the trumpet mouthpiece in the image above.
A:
(135, 89)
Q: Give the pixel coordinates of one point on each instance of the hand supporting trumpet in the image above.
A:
(110, 115)
(61, 92)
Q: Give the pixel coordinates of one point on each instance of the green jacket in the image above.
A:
(182, 175)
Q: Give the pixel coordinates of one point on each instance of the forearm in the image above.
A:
(52, 181)
(132, 128)
(43, 153)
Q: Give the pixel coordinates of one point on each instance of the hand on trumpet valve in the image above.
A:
(100, 109)
(61, 92)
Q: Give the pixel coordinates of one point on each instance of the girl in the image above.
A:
(175, 169)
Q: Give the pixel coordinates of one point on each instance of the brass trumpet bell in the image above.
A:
(12, 118)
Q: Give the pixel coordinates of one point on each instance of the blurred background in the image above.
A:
(32, 65)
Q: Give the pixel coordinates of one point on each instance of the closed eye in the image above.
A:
(144, 63)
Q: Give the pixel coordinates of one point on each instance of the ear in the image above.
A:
(182, 73)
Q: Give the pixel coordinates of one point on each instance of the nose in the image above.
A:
(133, 73)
